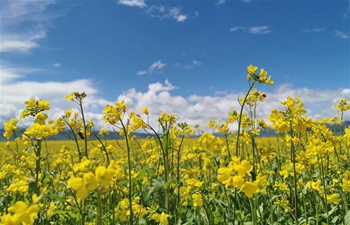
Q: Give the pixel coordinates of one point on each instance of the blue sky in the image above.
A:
(185, 57)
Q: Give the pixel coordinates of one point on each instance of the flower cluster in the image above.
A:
(297, 175)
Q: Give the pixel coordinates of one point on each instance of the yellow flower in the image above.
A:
(155, 217)
(249, 188)
(104, 175)
(40, 118)
(145, 110)
(84, 185)
(80, 166)
(248, 77)
(10, 126)
(251, 69)
(343, 105)
(284, 203)
(224, 175)
(316, 185)
(70, 97)
(197, 200)
(69, 112)
(262, 75)
(345, 185)
(50, 210)
(164, 219)
(10, 220)
(237, 181)
(36, 199)
(22, 214)
(30, 103)
(43, 105)
(334, 198)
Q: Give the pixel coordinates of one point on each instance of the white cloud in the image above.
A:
(21, 43)
(346, 92)
(57, 65)
(246, 1)
(190, 65)
(14, 94)
(194, 109)
(236, 28)
(163, 12)
(220, 2)
(341, 34)
(156, 66)
(9, 72)
(141, 72)
(252, 30)
(259, 30)
(133, 3)
(314, 30)
(16, 14)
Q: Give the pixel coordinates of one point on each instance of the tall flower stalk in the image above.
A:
(254, 79)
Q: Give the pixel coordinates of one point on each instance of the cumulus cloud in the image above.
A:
(14, 94)
(133, 3)
(194, 109)
(252, 30)
(341, 34)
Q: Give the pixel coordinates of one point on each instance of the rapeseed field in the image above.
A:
(299, 176)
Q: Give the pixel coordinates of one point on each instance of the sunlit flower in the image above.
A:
(84, 185)
(197, 200)
(249, 188)
(333, 198)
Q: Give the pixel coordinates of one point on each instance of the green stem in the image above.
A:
(99, 209)
(37, 166)
(129, 172)
(75, 140)
(252, 209)
(178, 215)
(295, 191)
(324, 190)
(84, 124)
(240, 117)
(103, 147)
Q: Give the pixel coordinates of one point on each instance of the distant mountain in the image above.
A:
(64, 135)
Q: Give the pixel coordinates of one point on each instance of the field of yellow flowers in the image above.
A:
(231, 178)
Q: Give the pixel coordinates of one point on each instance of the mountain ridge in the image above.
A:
(64, 135)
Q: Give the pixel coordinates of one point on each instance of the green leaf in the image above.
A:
(334, 220)
(142, 173)
(347, 218)
(167, 184)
